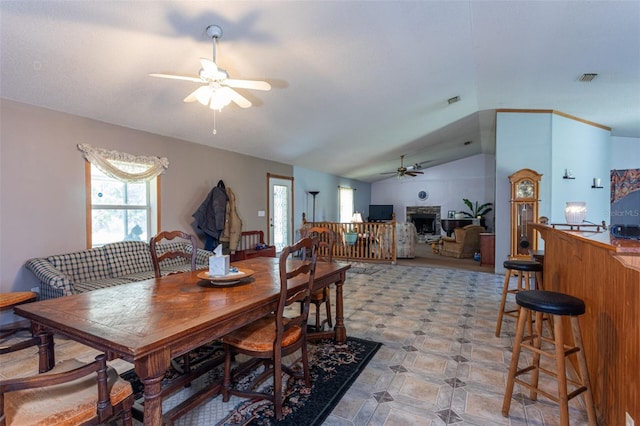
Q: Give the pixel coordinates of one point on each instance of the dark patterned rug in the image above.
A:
(333, 369)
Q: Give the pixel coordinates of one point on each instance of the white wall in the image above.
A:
(327, 208)
(585, 149)
(625, 153)
(42, 182)
(522, 141)
(548, 143)
(447, 185)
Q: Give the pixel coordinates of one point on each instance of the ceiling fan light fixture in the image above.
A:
(220, 98)
(217, 90)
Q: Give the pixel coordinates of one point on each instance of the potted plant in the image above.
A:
(476, 211)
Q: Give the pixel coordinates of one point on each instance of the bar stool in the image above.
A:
(524, 269)
(557, 305)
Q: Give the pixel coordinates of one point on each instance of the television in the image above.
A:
(380, 212)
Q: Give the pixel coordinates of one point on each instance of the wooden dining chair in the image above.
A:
(326, 241)
(71, 393)
(173, 255)
(271, 338)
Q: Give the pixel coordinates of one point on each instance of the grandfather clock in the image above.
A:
(525, 189)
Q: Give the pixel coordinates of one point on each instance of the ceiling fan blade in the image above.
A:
(178, 77)
(248, 84)
(208, 65)
(236, 97)
(389, 173)
(202, 94)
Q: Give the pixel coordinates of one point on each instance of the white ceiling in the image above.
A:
(355, 83)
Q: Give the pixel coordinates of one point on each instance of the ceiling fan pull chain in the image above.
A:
(214, 123)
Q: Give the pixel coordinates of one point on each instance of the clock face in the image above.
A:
(524, 189)
(423, 195)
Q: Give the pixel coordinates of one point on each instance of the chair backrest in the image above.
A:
(107, 389)
(158, 256)
(326, 240)
(470, 238)
(295, 270)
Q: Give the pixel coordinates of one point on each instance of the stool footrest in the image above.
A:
(552, 397)
(568, 350)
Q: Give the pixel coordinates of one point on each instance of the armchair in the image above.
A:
(464, 244)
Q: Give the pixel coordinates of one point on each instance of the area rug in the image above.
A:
(333, 369)
(363, 268)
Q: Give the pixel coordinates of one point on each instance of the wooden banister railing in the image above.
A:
(374, 241)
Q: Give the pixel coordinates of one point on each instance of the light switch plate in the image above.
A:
(260, 213)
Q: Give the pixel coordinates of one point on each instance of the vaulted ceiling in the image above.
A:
(355, 84)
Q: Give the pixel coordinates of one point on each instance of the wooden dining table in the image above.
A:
(148, 323)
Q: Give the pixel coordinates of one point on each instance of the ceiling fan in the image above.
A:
(217, 88)
(403, 171)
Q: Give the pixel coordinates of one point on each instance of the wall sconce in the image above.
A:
(596, 183)
(568, 174)
(575, 212)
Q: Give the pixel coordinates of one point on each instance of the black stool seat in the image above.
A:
(523, 265)
(550, 302)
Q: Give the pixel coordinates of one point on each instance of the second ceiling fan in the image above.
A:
(403, 171)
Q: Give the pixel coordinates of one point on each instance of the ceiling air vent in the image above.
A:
(586, 78)
(453, 100)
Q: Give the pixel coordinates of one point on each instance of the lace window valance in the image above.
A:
(117, 164)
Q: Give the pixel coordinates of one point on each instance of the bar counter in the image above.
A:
(605, 273)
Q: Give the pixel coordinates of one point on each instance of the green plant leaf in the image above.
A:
(476, 210)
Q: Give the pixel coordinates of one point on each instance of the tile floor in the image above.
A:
(440, 364)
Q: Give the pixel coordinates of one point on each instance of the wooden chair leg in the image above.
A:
(277, 386)
(328, 304)
(226, 382)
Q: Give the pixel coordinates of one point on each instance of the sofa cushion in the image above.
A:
(86, 265)
(95, 285)
(127, 257)
(176, 262)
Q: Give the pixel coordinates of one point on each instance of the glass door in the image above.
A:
(280, 211)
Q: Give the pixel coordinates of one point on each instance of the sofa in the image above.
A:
(106, 266)
(464, 243)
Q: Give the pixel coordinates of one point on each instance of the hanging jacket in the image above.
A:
(211, 215)
(233, 224)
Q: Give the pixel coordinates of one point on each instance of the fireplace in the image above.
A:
(425, 223)
(425, 218)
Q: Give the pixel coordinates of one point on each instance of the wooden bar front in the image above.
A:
(605, 273)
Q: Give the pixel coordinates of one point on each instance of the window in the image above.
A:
(122, 211)
(345, 196)
(122, 195)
